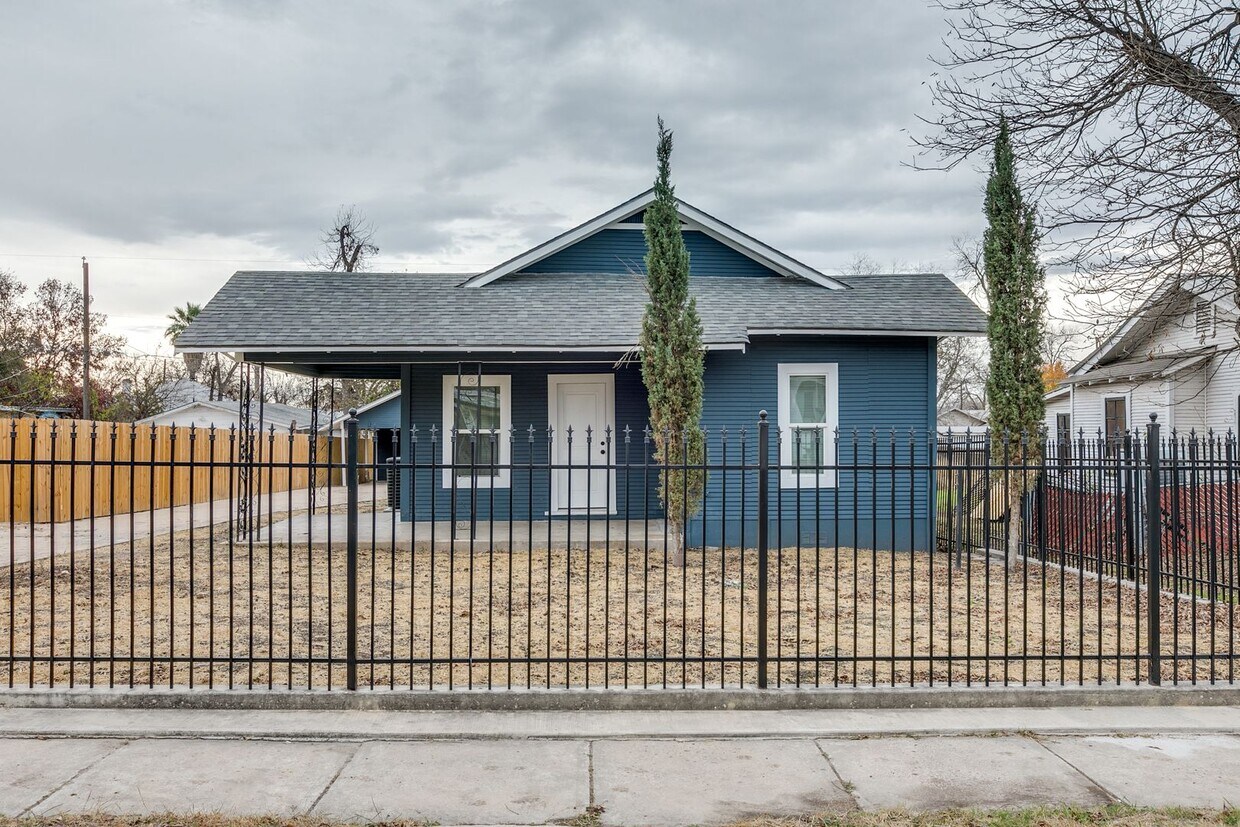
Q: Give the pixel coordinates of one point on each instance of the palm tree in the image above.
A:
(180, 319)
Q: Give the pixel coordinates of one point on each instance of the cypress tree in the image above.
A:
(1016, 293)
(671, 354)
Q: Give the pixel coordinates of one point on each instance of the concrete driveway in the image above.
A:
(22, 541)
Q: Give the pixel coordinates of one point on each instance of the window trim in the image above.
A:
(1063, 436)
(789, 477)
(1107, 437)
(503, 475)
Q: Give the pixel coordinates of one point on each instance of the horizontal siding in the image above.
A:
(886, 389)
(1053, 409)
(386, 415)
(1174, 335)
(1144, 398)
(1178, 333)
(885, 409)
(530, 491)
(1203, 400)
(637, 218)
(1222, 394)
(1188, 394)
(624, 251)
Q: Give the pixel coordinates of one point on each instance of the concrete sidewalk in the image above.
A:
(663, 768)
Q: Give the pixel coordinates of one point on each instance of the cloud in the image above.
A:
(464, 130)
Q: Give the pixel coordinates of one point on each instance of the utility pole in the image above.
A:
(85, 339)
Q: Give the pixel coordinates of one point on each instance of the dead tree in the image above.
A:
(1125, 115)
(348, 245)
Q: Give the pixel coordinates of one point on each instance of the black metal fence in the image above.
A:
(1089, 506)
(535, 559)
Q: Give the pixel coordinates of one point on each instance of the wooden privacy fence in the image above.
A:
(55, 470)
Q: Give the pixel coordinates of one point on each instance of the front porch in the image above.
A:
(531, 444)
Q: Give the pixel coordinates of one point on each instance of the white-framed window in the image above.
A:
(809, 414)
(480, 409)
(1115, 422)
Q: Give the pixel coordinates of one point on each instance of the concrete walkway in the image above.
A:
(22, 541)
(636, 768)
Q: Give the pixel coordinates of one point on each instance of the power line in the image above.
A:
(241, 260)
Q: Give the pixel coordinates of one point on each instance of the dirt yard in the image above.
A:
(175, 614)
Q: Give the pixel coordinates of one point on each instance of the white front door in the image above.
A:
(578, 402)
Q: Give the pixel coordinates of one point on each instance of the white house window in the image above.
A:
(1203, 319)
(1115, 422)
(808, 417)
(479, 408)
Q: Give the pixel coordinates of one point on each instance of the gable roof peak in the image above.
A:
(694, 218)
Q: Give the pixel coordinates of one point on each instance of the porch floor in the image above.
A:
(383, 529)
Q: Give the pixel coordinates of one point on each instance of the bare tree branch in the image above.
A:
(1126, 118)
(348, 244)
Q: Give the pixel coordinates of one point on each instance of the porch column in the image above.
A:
(406, 444)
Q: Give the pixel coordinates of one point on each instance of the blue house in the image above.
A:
(544, 345)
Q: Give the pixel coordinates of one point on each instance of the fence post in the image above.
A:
(1153, 550)
(351, 519)
(1129, 477)
(764, 462)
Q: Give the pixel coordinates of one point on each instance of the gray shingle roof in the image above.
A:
(273, 413)
(257, 311)
(1142, 367)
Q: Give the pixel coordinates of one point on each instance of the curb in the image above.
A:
(636, 700)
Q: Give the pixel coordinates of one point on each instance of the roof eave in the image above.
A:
(1116, 339)
(559, 242)
(254, 349)
(877, 331)
(724, 233)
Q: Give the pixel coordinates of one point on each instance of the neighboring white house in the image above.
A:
(960, 419)
(177, 392)
(1177, 356)
(223, 413)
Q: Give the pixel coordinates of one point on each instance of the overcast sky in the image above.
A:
(176, 142)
